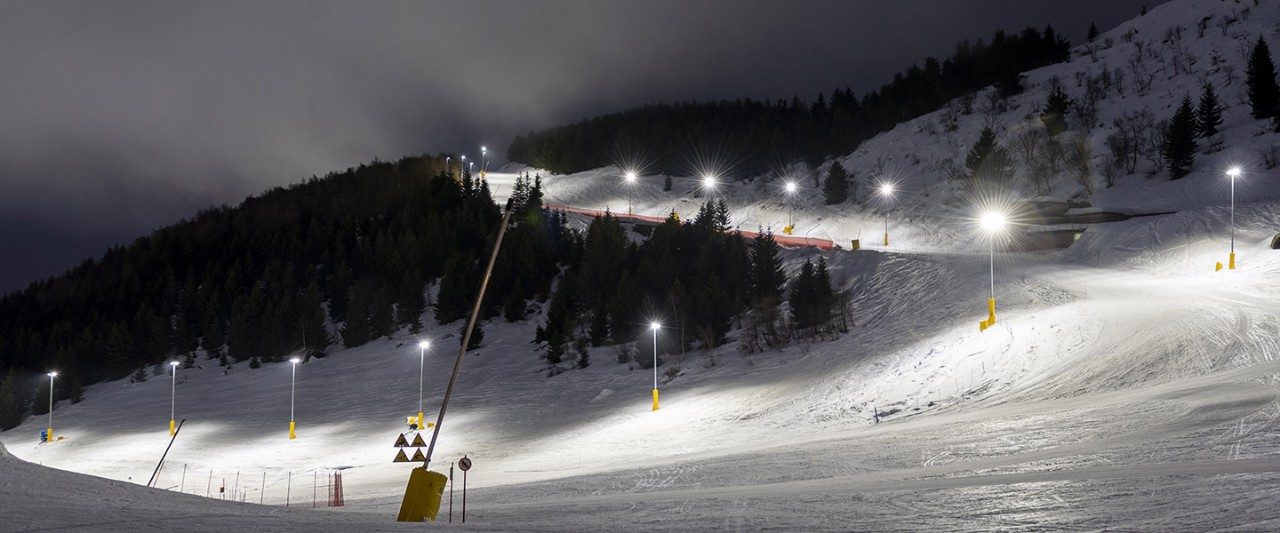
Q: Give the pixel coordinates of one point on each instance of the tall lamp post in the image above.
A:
(173, 396)
(1233, 173)
(993, 222)
(422, 364)
(791, 188)
(293, 381)
(630, 177)
(484, 161)
(49, 431)
(886, 192)
(654, 326)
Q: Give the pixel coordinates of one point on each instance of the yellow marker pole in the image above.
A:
(49, 431)
(886, 228)
(293, 381)
(654, 327)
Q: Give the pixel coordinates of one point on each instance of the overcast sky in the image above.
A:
(120, 117)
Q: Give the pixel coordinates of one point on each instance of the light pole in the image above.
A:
(422, 364)
(791, 207)
(484, 161)
(293, 381)
(654, 326)
(49, 431)
(446, 164)
(630, 177)
(1233, 173)
(886, 192)
(462, 164)
(173, 396)
(993, 222)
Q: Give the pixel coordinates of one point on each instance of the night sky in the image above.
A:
(120, 117)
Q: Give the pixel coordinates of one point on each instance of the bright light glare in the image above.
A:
(424, 344)
(708, 182)
(53, 374)
(993, 221)
(483, 150)
(791, 187)
(886, 189)
(654, 326)
(173, 364)
(630, 176)
(295, 360)
(1234, 172)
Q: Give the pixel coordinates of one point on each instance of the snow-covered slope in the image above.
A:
(1127, 385)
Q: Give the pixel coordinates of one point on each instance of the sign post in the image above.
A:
(464, 464)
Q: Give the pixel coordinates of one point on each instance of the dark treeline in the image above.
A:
(761, 135)
(697, 279)
(345, 258)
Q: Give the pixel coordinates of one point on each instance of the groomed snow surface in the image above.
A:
(1126, 385)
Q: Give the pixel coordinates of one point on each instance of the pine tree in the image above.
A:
(1179, 144)
(1093, 32)
(1264, 94)
(666, 184)
(455, 289)
(254, 362)
(356, 329)
(315, 334)
(1209, 114)
(803, 296)
(767, 276)
(381, 318)
(584, 354)
(987, 160)
(139, 375)
(477, 335)
(836, 187)
(10, 401)
(1054, 114)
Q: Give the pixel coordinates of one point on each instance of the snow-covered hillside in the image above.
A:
(1126, 385)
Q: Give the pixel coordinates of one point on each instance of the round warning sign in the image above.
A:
(464, 464)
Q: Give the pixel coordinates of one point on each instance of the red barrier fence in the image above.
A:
(782, 240)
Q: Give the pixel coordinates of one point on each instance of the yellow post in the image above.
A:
(420, 420)
(48, 435)
(1231, 263)
(172, 427)
(991, 312)
(886, 238)
(422, 495)
(1217, 267)
(292, 434)
(786, 230)
(655, 399)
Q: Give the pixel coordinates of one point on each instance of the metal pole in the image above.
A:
(182, 486)
(464, 496)
(422, 363)
(993, 266)
(655, 359)
(451, 493)
(288, 489)
(466, 338)
(263, 491)
(51, 403)
(1233, 215)
(173, 393)
(293, 381)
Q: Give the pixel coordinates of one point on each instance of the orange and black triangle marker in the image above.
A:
(401, 457)
(401, 442)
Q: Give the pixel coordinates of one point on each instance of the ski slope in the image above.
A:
(1126, 385)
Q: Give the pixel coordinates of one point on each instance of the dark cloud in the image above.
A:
(117, 117)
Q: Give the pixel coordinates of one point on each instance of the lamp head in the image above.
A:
(424, 344)
(886, 189)
(1233, 172)
(295, 360)
(791, 187)
(708, 181)
(655, 326)
(173, 364)
(630, 176)
(993, 221)
(53, 374)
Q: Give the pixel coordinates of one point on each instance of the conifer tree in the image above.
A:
(1093, 32)
(356, 329)
(1054, 114)
(1264, 94)
(767, 276)
(987, 160)
(477, 335)
(314, 333)
(1209, 114)
(10, 400)
(836, 187)
(1179, 143)
(455, 289)
(666, 183)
